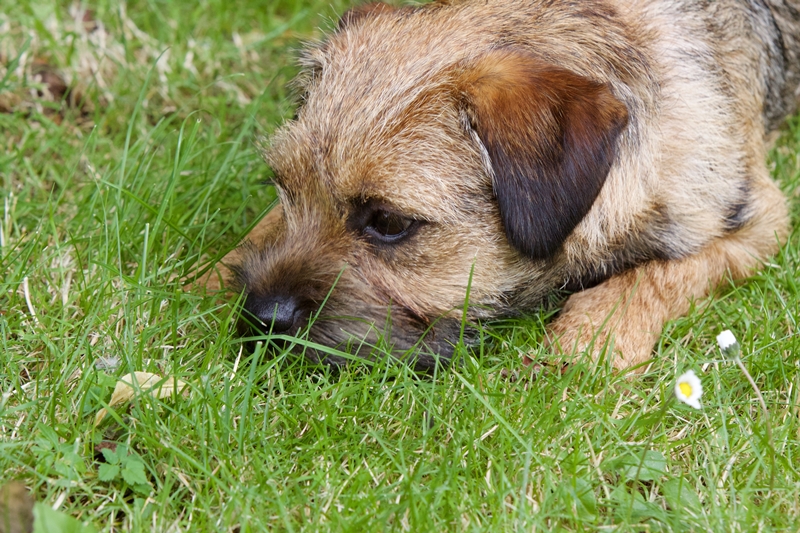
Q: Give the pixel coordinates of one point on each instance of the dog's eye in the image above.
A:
(388, 227)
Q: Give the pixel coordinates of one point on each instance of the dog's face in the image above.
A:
(420, 170)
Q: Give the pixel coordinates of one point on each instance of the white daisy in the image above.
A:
(688, 389)
(727, 341)
(728, 344)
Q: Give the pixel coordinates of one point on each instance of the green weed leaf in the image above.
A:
(580, 495)
(680, 495)
(107, 472)
(133, 473)
(634, 467)
(631, 506)
(46, 520)
(111, 456)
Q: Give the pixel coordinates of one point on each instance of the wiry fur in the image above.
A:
(612, 147)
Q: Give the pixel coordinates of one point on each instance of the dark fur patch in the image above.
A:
(737, 215)
(551, 138)
(655, 241)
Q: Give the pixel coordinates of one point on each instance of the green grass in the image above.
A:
(109, 196)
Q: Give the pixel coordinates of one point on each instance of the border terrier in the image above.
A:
(469, 158)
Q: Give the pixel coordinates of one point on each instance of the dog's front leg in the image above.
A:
(623, 316)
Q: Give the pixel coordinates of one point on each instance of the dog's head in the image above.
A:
(426, 164)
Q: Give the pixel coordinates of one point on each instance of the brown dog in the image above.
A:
(501, 150)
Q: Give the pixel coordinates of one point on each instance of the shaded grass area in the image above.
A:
(114, 190)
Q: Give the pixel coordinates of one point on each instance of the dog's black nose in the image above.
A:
(275, 313)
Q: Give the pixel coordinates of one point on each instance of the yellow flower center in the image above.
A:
(686, 389)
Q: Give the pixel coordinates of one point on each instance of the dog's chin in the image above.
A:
(422, 349)
(338, 342)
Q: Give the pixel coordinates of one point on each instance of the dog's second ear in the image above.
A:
(551, 138)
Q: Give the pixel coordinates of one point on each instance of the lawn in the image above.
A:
(128, 157)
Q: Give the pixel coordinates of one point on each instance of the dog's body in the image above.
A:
(506, 149)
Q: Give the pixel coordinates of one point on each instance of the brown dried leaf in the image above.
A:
(129, 385)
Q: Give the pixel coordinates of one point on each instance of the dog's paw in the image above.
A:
(605, 324)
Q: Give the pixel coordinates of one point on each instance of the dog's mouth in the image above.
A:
(338, 340)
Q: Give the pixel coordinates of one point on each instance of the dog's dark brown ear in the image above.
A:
(551, 138)
(357, 13)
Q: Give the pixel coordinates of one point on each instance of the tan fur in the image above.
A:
(527, 146)
(16, 508)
